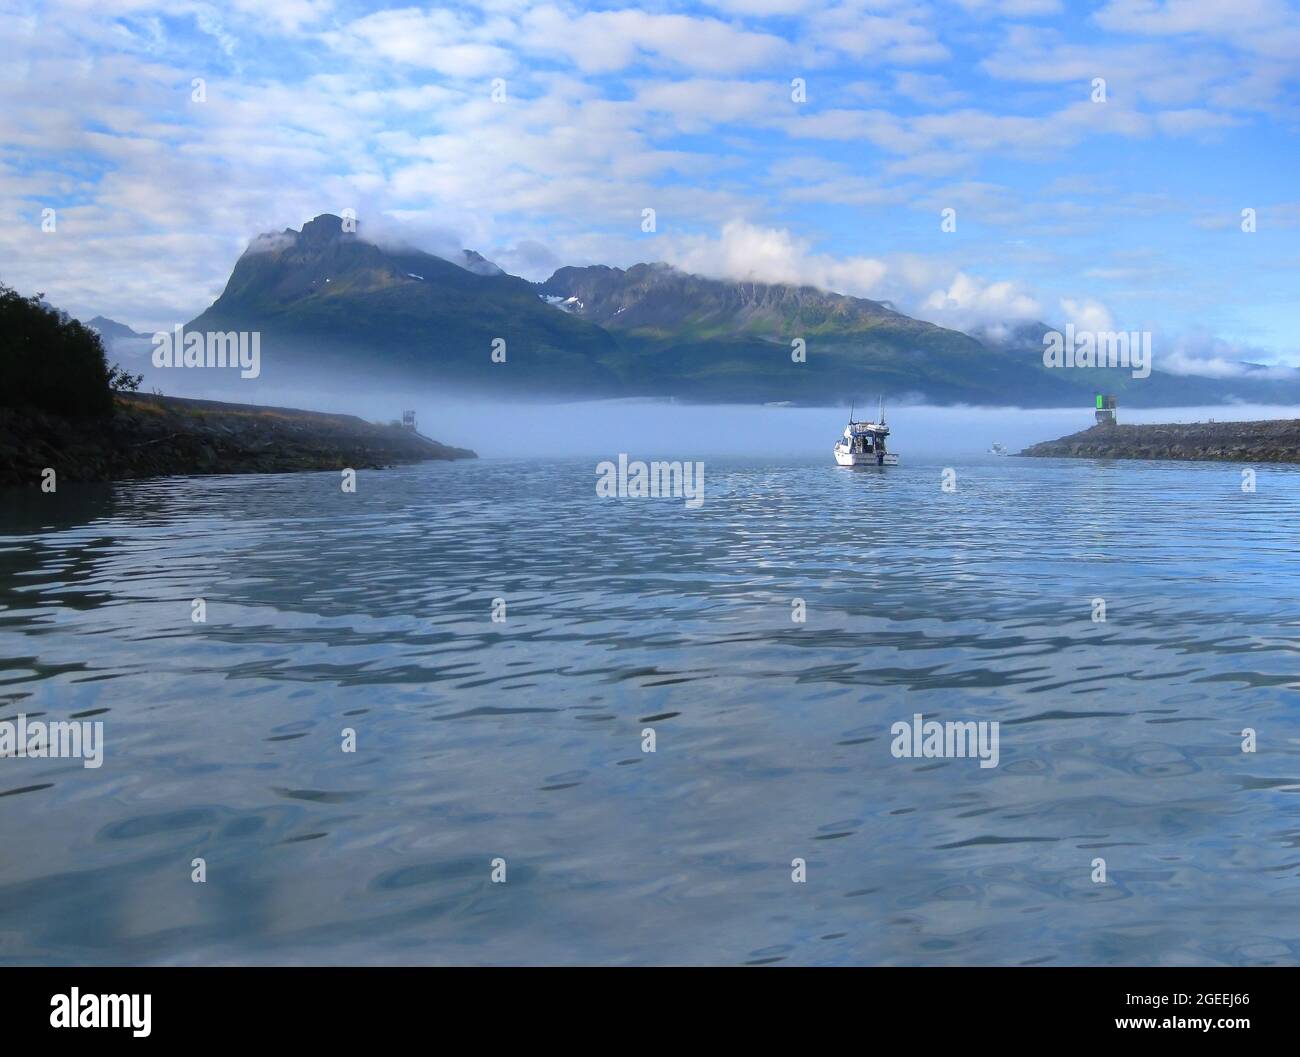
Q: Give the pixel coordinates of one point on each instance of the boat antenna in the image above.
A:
(880, 411)
(851, 412)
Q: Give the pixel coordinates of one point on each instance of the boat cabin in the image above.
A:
(865, 438)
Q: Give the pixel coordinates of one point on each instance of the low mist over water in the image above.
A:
(679, 430)
(506, 428)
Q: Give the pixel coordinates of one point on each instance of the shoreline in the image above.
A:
(1271, 440)
(160, 436)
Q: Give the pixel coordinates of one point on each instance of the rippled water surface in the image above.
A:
(522, 740)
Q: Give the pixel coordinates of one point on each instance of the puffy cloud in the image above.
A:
(1086, 314)
(927, 288)
(288, 15)
(529, 258)
(1200, 352)
(461, 45)
(746, 251)
(604, 41)
(613, 109)
(1192, 73)
(929, 89)
(968, 303)
(699, 104)
(439, 40)
(763, 8)
(1012, 8)
(861, 30)
(1262, 26)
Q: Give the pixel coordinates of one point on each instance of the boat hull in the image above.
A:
(850, 458)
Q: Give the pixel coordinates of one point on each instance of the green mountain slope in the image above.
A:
(326, 299)
(329, 303)
(709, 339)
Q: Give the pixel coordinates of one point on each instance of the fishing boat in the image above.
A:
(998, 449)
(863, 443)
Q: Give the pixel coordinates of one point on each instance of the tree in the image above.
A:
(120, 380)
(49, 360)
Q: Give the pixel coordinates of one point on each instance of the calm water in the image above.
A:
(522, 740)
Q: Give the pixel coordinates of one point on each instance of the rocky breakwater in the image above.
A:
(1267, 441)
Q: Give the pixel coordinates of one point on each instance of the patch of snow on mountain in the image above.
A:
(564, 304)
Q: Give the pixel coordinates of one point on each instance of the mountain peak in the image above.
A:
(473, 261)
(325, 228)
(330, 299)
(111, 330)
(662, 298)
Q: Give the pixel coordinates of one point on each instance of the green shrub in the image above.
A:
(49, 360)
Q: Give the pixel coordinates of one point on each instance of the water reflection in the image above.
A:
(523, 740)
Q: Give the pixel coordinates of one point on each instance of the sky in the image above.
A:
(1097, 156)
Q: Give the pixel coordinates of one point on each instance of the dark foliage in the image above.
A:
(49, 360)
(120, 380)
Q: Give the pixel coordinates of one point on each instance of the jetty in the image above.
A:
(1270, 440)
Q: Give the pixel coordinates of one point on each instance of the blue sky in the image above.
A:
(1123, 213)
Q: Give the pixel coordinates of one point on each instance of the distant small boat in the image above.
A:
(863, 443)
(998, 449)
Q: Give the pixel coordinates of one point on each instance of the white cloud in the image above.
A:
(698, 104)
(1012, 8)
(1086, 314)
(438, 40)
(763, 8)
(745, 251)
(969, 303)
(1192, 120)
(1199, 352)
(288, 15)
(1263, 26)
(927, 288)
(605, 41)
(857, 28)
(613, 110)
(926, 88)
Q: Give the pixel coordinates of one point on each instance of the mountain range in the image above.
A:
(329, 303)
(111, 331)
